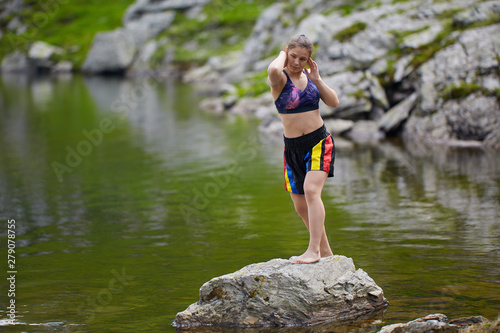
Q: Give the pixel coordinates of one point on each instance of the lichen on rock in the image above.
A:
(277, 293)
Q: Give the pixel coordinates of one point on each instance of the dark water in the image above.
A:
(127, 198)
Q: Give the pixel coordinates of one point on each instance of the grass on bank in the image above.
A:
(73, 24)
(70, 25)
(222, 27)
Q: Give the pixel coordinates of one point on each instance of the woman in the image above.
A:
(309, 149)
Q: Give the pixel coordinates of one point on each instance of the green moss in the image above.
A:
(492, 19)
(349, 7)
(387, 77)
(254, 85)
(71, 25)
(496, 93)
(400, 35)
(359, 94)
(225, 28)
(348, 33)
(460, 91)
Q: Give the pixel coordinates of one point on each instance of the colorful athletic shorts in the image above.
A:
(313, 151)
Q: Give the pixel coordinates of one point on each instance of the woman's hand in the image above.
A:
(327, 94)
(313, 71)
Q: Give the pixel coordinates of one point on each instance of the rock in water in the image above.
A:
(111, 52)
(277, 293)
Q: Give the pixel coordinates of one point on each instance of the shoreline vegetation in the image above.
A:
(421, 71)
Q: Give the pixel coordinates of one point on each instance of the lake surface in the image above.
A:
(126, 198)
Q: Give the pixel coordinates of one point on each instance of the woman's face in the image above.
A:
(297, 59)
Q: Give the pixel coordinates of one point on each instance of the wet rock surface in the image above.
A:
(277, 294)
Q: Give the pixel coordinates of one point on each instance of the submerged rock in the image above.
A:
(278, 293)
(15, 62)
(431, 323)
(434, 323)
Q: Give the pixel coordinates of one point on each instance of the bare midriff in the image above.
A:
(298, 124)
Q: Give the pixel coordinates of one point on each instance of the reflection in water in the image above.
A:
(177, 196)
(411, 186)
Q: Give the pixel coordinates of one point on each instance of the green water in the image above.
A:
(127, 198)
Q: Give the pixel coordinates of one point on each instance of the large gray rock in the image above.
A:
(15, 62)
(353, 89)
(149, 26)
(431, 323)
(141, 7)
(470, 62)
(267, 34)
(111, 52)
(434, 323)
(399, 113)
(365, 131)
(278, 293)
(477, 13)
(43, 51)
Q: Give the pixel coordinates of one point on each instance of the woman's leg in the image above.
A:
(310, 207)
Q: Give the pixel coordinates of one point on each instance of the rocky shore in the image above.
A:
(424, 70)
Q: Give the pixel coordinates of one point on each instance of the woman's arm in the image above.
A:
(328, 95)
(275, 70)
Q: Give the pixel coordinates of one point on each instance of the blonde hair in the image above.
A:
(301, 41)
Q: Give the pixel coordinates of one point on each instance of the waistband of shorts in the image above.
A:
(306, 141)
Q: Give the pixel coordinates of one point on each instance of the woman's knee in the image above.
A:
(311, 192)
(313, 185)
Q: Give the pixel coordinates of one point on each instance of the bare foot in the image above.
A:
(307, 258)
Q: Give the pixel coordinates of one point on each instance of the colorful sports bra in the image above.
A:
(293, 100)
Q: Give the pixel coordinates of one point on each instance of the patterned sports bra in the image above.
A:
(293, 100)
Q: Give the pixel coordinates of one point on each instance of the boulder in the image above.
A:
(468, 67)
(43, 51)
(141, 7)
(15, 62)
(338, 126)
(312, 26)
(397, 114)
(435, 323)
(365, 131)
(424, 37)
(431, 323)
(267, 34)
(478, 13)
(63, 67)
(111, 52)
(148, 26)
(353, 89)
(142, 61)
(278, 293)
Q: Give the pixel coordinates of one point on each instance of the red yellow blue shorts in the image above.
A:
(310, 152)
